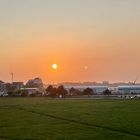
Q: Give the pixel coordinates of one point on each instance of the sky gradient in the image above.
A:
(90, 40)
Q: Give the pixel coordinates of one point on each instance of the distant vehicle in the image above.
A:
(129, 96)
(3, 94)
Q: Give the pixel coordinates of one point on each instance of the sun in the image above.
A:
(54, 66)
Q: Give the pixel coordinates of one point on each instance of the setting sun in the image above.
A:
(54, 66)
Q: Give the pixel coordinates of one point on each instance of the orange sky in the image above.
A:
(104, 38)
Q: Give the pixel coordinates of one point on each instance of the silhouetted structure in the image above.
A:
(88, 91)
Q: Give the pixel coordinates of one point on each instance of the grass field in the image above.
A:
(43, 119)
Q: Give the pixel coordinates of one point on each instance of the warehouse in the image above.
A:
(129, 89)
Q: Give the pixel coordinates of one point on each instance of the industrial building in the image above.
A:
(128, 89)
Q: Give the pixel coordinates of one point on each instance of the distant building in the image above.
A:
(17, 85)
(105, 82)
(30, 91)
(128, 89)
(35, 83)
(2, 88)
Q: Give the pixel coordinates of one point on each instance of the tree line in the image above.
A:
(61, 92)
(52, 91)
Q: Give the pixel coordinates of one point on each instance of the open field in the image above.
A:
(44, 119)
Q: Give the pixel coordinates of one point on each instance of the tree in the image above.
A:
(75, 92)
(61, 91)
(51, 91)
(88, 91)
(107, 92)
(72, 91)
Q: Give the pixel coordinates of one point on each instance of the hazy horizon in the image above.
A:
(92, 40)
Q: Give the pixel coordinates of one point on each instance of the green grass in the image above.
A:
(43, 119)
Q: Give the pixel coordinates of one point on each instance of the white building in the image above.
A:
(128, 89)
(30, 90)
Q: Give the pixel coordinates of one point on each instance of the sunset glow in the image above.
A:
(91, 40)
